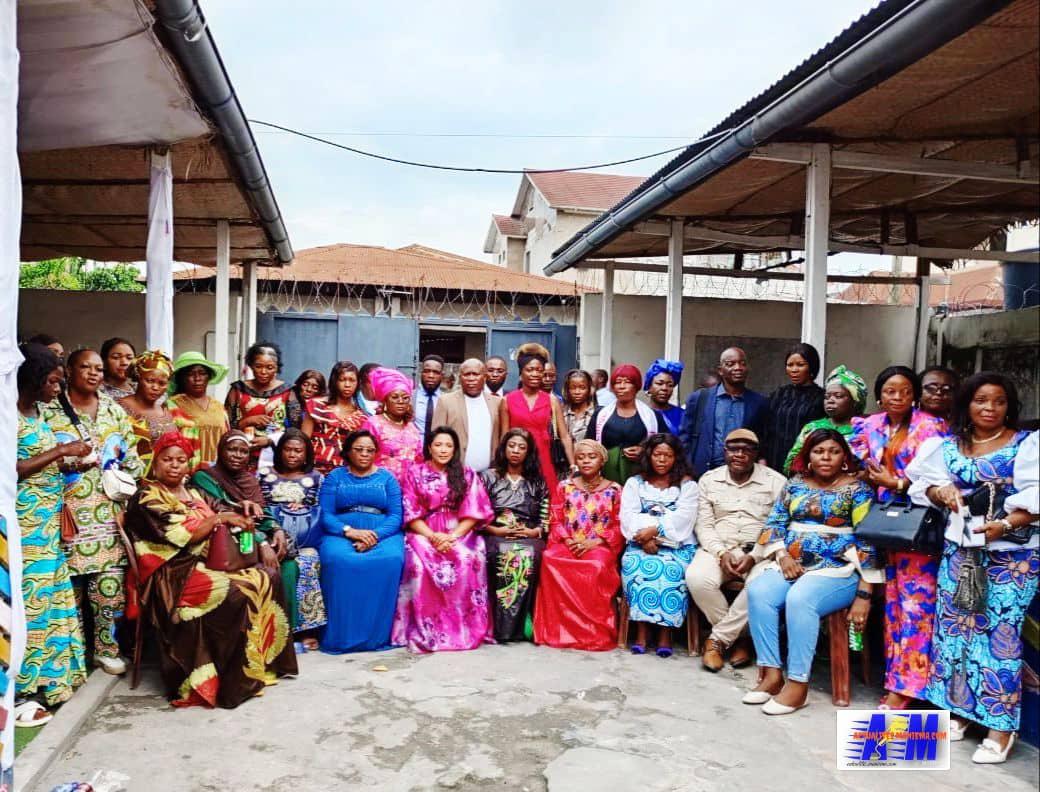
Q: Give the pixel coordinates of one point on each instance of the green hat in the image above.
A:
(189, 359)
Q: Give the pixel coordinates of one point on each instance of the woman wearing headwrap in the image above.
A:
(793, 405)
(223, 636)
(149, 417)
(231, 483)
(844, 396)
(622, 425)
(529, 407)
(399, 441)
(662, 378)
(574, 606)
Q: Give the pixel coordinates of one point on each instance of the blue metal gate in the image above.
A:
(560, 340)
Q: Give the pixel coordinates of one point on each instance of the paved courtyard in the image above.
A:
(515, 717)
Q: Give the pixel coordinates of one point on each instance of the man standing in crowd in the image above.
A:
(496, 369)
(426, 396)
(367, 399)
(473, 414)
(712, 413)
(734, 501)
(601, 382)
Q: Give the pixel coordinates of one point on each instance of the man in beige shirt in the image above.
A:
(734, 502)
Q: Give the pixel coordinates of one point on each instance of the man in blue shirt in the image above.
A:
(712, 413)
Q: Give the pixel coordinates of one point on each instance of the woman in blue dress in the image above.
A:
(658, 511)
(986, 473)
(362, 552)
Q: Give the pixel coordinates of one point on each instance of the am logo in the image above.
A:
(893, 740)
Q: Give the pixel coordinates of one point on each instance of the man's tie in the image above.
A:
(428, 423)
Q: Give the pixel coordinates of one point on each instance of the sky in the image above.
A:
(488, 84)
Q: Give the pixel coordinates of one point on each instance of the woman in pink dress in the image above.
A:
(399, 441)
(442, 604)
(529, 407)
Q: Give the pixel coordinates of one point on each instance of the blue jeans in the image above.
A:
(804, 601)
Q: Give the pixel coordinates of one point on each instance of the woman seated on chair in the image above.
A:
(658, 510)
(579, 577)
(819, 568)
(223, 636)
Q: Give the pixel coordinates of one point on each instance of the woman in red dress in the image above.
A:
(328, 420)
(574, 606)
(529, 407)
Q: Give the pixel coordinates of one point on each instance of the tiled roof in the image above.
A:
(583, 190)
(509, 226)
(412, 267)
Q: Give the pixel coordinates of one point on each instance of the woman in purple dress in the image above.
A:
(442, 604)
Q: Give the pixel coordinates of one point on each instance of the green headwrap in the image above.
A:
(853, 383)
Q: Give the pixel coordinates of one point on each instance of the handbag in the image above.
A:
(557, 454)
(902, 525)
(225, 552)
(119, 486)
(68, 524)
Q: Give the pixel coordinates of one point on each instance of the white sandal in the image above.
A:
(26, 712)
(990, 751)
(958, 728)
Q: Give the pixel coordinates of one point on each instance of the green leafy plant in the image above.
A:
(71, 273)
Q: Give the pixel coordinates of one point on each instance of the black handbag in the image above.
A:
(557, 454)
(902, 525)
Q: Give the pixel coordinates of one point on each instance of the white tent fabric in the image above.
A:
(159, 275)
(12, 619)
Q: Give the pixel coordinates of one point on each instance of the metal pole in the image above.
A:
(606, 319)
(921, 341)
(221, 325)
(817, 226)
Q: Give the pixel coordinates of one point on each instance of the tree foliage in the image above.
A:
(71, 273)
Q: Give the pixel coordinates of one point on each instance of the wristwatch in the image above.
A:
(863, 595)
(1008, 527)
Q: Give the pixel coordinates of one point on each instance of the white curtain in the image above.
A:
(12, 619)
(159, 297)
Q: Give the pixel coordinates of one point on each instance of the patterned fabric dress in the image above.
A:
(280, 406)
(400, 445)
(910, 577)
(976, 658)
(442, 604)
(293, 502)
(655, 584)
(54, 661)
(202, 427)
(147, 430)
(513, 563)
(574, 608)
(96, 553)
(223, 636)
(330, 430)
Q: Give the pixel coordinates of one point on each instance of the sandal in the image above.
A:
(311, 644)
(664, 651)
(25, 715)
(638, 649)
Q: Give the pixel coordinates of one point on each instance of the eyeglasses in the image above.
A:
(936, 389)
(363, 450)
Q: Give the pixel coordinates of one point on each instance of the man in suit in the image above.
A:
(473, 413)
(428, 394)
(712, 413)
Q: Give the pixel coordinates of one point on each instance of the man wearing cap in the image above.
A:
(734, 502)
(712, 413)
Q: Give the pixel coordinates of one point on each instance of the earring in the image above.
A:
(808, 466)
(844, 467)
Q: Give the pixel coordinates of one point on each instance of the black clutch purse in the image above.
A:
(902, 525)
(557, 453)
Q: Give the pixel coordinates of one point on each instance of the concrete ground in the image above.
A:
(515, 717)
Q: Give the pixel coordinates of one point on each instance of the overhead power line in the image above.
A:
(435, 166)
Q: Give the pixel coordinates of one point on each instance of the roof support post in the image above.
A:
(923, 311)
(673, 309)
(221, 325)
(606, 317)
(249, 283)
(158, 301)
(817, 227)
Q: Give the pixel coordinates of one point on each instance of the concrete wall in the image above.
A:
(865, 338)
(85, 319)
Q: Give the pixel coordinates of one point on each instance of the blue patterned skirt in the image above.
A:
(977, 657)
(655, 585)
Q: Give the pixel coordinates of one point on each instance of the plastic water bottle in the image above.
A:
(855, 638)
(245, 542)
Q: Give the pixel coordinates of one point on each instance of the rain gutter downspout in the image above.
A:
(197, 54)
(919, 29)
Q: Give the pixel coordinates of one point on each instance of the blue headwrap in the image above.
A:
(662, 366)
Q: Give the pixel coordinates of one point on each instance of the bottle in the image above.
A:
(245, 542)
(855, 638)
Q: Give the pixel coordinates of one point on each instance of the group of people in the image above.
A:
(383, 513)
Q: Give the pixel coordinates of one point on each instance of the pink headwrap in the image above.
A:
(385, 381)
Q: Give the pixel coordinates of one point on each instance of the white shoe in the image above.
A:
(957, 729)
(756, 697)
(111, 665)
(990, 752)
(774, 707)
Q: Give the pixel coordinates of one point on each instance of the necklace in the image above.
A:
(984, 440)
(514, 481)
(589, 486)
